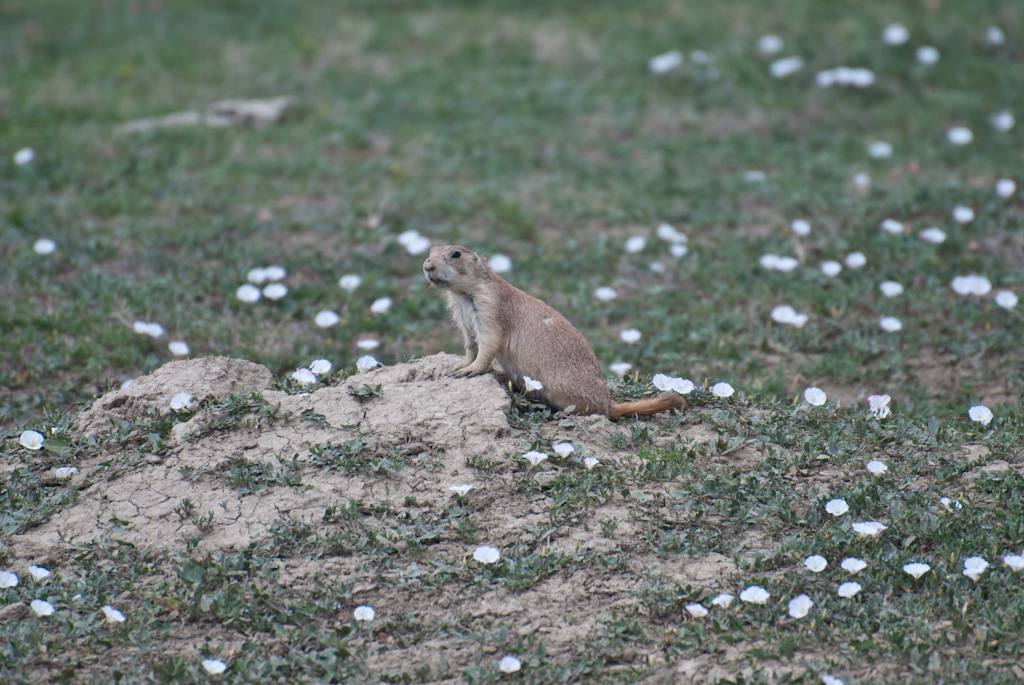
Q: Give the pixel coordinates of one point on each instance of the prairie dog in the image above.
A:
(525, 336)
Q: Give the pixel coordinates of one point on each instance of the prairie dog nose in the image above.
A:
(428, 265)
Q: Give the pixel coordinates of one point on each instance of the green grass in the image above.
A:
(533, 130)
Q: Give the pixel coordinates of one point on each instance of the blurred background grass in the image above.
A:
(530, 129)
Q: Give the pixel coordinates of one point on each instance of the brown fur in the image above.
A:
(525, 336)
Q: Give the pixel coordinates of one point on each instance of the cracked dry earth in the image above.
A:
(442, 428)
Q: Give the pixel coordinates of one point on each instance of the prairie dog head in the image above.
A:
(454, 267)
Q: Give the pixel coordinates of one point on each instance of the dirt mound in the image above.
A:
(206, 377)
(367, 447)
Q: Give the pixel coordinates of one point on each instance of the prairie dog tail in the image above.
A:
(647, 407)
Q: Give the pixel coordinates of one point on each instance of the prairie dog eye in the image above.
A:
(456, 255)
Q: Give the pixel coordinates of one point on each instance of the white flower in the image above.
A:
(65, 472)
(535, 457)
(248, 293)
(1006, 299)
(828, 679)
(364, 613)
(879, 406)
(848, 589)
(868, 528)
(365, 363)
(853, 565)
(971, 285)
(620, 368)
(257, 276)
(855, 260)
(368, 344)
(8, 579)
(769, 45)
(113, 615)
(630, 335)
(275, 273)
(41, 607)
(916, 570)
(861, 181)
(831, 268)
(350, 282)
(326, 319)
(816, 563)
(963, 215)
(799, 320)
(275, 291)
(974, 567)
(837, 507)
(890, 288)
(668, 233)
(407, 237)
(786, 66)
(769, 261)
(800, 227)
(181, 401)
(531, 384)
(783, 314)
(949, 504)
(418, 245)
(214, 666)
(926, 54)
(755, 176)
(605, 294)
(932, 235)
(563, 449)
(892, 226)
(1014, 561)
(981, 414)
(890, 324)
(697, 610)
(799, 606)
(320, 366)
(32, 440)
(682, 386)
(44, 246)
(591, 462)
(38, 572)
(486, 555)
(381, 305)
(460, 490)
(755, 595)
(662, 382)
(500, 264)
(1005, 187)
(959, 135)
(815, 396)
(304, 376)
(678, 250)
(895, 34)
(662, 64)
(876, 467)
(994, 35)
(880, 149)
(1003, 121)
(636, 243)
(845, 76)
(24, 156)
(154, 330)
(722, 390)
(723, 600)
(179, 348)
(786, 264)
(509, 663)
